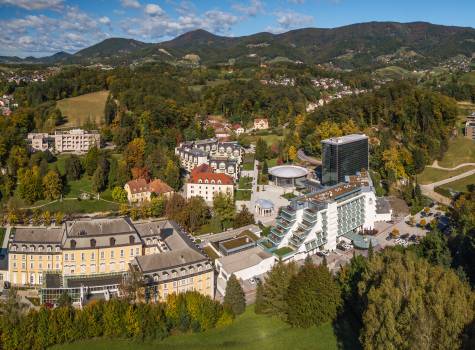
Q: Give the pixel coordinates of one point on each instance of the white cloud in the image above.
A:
(130, 3)
(162, 26)
(73, 31)
(254, 8)
(298, 2)
(154, 10)
(34, 4)
(291, 19)
(105, 20)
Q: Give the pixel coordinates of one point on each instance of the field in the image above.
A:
(430, 175)
(248, 332)
(469, 78)
(461, 150)
(394, 72)
(88, 108)
(460, 185)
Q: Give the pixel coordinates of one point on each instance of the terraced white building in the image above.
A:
(318, 221)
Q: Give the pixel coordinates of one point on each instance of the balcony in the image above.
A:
(278, 231)
(310, 215)
(274, 239)
(288, 213)
(285, 224)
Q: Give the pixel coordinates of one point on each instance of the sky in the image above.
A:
(43, 27)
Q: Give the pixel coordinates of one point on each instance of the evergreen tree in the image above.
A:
(313, 297)
(224, 208)
(243, 217)
(261, 150)
(258, 305)
(234, 298)
(90, 161)
(73, 168)
(275, 289)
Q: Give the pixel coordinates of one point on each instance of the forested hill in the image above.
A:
(356, 45)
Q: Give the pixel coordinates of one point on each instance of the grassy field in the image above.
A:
(460, 185)
(85, 108)
(461, 150)
(394, 72)
(73, 206)
(430, 175)
(248, 332)
(469, 78)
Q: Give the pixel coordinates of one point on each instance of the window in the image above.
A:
(93, 268)
(83, 257)
(102, 255)
(137, 251)
(131, 251)
(121, 253)
(32, 265)
(93, 256)
(112, 254)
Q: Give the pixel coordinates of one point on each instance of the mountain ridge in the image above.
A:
(353, 45)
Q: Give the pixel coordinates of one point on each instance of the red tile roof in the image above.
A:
(218, 178)
(141, 185)
(159, 187)
(138, 185)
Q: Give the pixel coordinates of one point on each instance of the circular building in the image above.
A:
(264, 207)
(288, 175)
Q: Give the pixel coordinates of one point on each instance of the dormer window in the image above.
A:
(212, 181)
(219, 182)
(131, 239)
(200, 181)
(93, 243)
(206, 181)
(73, 244)
(112, 241)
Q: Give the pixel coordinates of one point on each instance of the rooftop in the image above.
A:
(38, 235)
(243, 260)
(288, 171)
(264, 203)
(345, 139)
(98, 227)
(166, 260)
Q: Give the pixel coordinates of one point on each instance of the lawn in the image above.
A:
(245, 183)
(430, 175)
(461, 150)
(74, 206)
(248, 332)
(83, 109)
(460, 185)
(242, 195)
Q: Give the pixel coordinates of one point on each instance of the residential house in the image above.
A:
(205, 183)
(139, 190)
(261, 124)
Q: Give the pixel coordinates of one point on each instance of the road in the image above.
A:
(437, 166)
(303, 157)
(428, 190)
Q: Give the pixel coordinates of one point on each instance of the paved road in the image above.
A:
(302, 156)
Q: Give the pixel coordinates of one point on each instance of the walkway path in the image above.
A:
(302, 156)
(428, 190)
(437, 166)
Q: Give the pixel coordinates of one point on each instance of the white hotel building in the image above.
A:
(318, 221)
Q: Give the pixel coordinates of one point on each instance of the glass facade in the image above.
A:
(340, 159)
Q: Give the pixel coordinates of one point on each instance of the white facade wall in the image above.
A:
(207, 190)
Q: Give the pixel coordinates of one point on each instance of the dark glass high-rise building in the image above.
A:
(343, 156)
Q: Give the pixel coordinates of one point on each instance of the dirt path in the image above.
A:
(437, 166)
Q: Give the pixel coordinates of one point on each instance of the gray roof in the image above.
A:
(345, 139)
(175, 258)
(38, 235)
(382, 206)
(243, 260)
(264, 203)
(288, 171)
(97, 227)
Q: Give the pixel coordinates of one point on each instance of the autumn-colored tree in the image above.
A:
(134, 153)
(292, 153)
(171, 175)
(424, 306)
(224, 208)
(393, 163)
(46, 216)
(119, 195)
(58, 218)
(140, 173)
(52, 185)
(30, 186)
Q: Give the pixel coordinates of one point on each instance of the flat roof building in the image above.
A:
(344, 156)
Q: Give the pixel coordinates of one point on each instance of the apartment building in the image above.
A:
(75, 140)
(470, 129)
(223, 157)
(205, 183)
(92, 256)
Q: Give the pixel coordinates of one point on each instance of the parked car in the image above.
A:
(405, 236)
(388, 238)
(413, 238)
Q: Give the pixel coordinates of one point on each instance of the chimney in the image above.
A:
(182, 258)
